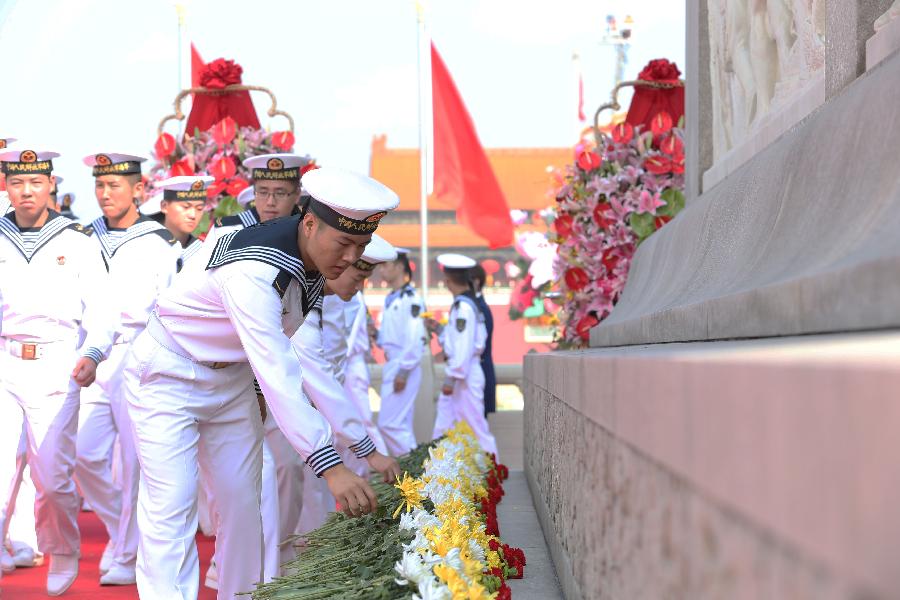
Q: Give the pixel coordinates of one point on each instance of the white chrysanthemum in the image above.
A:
(407, 522)
(453, 560)
(411, 569)
(420, 542)
(476, 551)
(432, 589)
(421, 519)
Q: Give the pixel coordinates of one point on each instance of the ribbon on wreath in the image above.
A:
(215, 104)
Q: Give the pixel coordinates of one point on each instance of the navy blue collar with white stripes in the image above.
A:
(54, 224)
(110, 244)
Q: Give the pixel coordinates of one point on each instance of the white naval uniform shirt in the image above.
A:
(463, 337)
(254, 295)
(197, 259)
(57, 290)
(5, 204)
(320, 382)
(402, 333)
(192, 249)
(357, 323)
(141, 261)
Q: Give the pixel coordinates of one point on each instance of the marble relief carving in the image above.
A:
(763, 53)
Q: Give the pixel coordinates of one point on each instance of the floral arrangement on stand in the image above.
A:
(532, 272)
(219, 152)
(435, 535)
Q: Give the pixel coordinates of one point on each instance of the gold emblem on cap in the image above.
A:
(102, 160)
(28, 156)
(198, 185)
(275, 164)
(376, 217)
(2, 144)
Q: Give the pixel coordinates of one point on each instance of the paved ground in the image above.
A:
(519, 527)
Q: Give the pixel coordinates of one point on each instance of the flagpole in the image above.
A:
(425, 127)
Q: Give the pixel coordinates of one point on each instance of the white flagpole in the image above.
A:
(426, 132)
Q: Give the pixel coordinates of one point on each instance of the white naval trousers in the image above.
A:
(42, 395)
(356, 384)
(317, 503)
(21, 526)
(395, 419)
(466, 403)
(104, 416)
(290, 471)
(183, 413)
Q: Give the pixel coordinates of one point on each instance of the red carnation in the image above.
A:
(660, 70)
(504, 593)
(220, 73)
(658, 165)
(576, 278)
(622, 133)
(588, 161)
(493, 544)
(283, 140)
(224, 131)
(165, 145)
(583, 328)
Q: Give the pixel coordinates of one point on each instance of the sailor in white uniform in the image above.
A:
(141, 258)
(180, 209)
(322, 346)
(190, 388)
(53, 294)
(463, 340)
(402, 337)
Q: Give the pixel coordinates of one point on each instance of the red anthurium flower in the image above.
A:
(672, 145)
(658, 165)
(182, 167)
(283, 140)
(222, 169)
(215, 189)
(563, 225)
(236, 186)
(576, 278)
(600, 218)
(583, 328)
(661, 123)
(165, 145)
(308, 167)
(588, 161)
(224, 131)
(661, 220)
(622, 133)
(609, 260)
(678, 164)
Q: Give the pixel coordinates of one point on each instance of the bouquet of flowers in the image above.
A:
(611, 199)
(219, 152)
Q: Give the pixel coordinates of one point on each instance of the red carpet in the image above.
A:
(26, 584)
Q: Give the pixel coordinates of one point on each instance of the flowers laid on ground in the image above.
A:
(433, 537)
(219, 152)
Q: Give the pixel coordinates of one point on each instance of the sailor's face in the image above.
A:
(182, 216)
(30, 194)
(335, 251)
(349, 282)
(116, 194)
(275, 199)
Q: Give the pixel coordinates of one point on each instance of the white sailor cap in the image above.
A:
(402, 250)
(246, 197)
(452, 261)
(59, 180)
(185, 187)
(109, 163)
(153, 204)
(27, 162)
(4, 142)
(276, 167)
(349, 202)
(378, 250)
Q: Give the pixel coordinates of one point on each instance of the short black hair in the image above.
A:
(133, 178)
(477, 273)
(459, 276)
(403, 259)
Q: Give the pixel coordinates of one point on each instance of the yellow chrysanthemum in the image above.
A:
(411, 490)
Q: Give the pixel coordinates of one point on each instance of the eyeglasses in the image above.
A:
(277, 194)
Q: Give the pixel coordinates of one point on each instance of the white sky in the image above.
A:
(88, 76)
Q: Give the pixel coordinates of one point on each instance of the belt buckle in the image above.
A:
(29, 351)
(218, 365)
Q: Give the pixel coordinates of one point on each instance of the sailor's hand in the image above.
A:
(400, 383)
(387, 466)
(447, 387)
(353, 493)
(85, 371)
(263, 413)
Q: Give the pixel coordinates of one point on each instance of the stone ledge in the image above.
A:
(793, 437)
(885, 42)
(801, 239)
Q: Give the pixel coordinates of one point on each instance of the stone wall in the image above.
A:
(761, 469)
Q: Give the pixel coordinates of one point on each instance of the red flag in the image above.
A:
(197, 65)
(462, 174)
(581, 116)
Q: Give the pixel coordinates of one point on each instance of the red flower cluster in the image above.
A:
(221, 73)
(660, 70)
